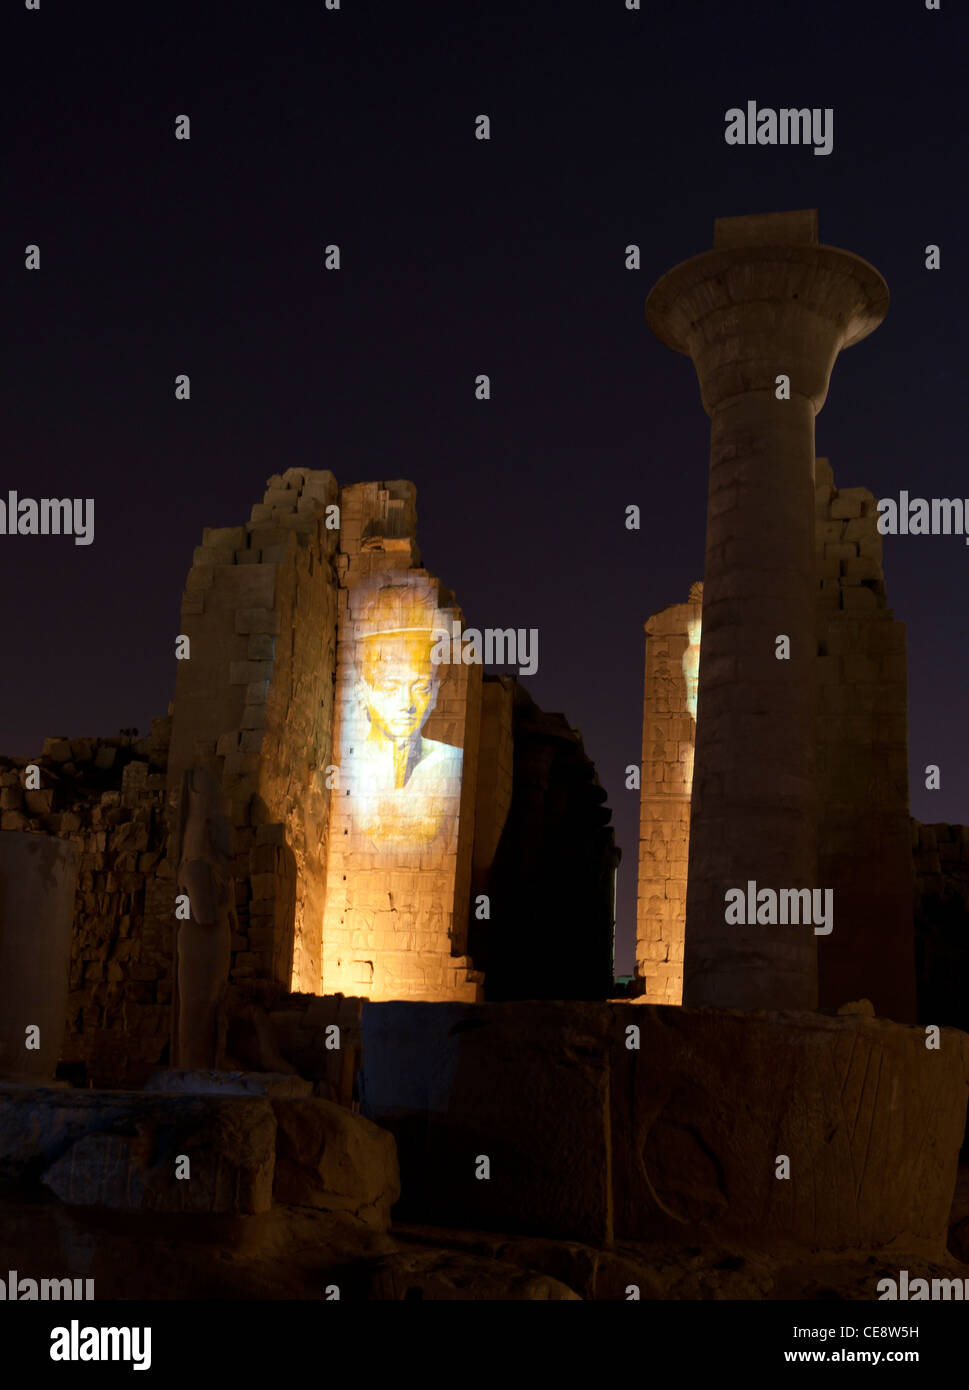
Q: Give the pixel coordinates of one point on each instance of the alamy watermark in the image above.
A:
(770, 907)
(48, 516)
(917, 1290)
(16, 1289)
(490, 646)
(788, 126)
(77, 1343)
(923, 516)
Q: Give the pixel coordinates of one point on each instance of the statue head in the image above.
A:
(399, 683)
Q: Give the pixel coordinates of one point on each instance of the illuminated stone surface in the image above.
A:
(766, 303)
(405, 737)
(862, 768)
(667, 776)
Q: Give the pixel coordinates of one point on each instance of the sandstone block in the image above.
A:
(858, 599)
(256, 620)
(525, 1086)
(328, 1158)
(864, 567)
(117, 1149)
(245, 672)
(871, 1120)
(224, 537)
(57, 749)
(281, 499)
(199, 577)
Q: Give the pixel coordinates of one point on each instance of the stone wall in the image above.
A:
(255, 701)
(551, 888)
(864, 831)
(627, 1122)
(669, 731)
(108, 796)
(862, 749)
(264, 678)
(942, 922)
(395, 922)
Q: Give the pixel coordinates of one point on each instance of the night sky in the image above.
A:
(506, 257)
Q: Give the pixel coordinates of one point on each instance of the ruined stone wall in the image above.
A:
(255, 701)
(395, 923)
(864, 829)
(862, 747)
(942, 922)
(495, 781)
(667, 778)
(551, 887)
(107, 795)
(264, 677)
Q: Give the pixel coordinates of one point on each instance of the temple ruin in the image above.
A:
(408, 870)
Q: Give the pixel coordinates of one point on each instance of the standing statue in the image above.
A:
(202, 942)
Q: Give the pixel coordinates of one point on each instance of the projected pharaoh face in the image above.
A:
(404, 789)
(691, 666)
(400, 689)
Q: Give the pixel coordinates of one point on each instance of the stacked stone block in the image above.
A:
(395, 923)
(255, 701)
(667, 777)
(862, 751)
(108, 796)
(863, 830)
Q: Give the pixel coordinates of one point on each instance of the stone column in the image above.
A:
(38, 876)
(669, 708)
(767, 301)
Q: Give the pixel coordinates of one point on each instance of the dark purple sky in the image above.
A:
(460, 257)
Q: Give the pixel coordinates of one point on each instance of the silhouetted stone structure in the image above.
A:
(551, 888)
(763, 316)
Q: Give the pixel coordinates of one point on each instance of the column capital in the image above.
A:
(747, 313)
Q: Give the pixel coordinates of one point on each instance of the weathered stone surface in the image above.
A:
(38, 876)
(328, 1158)
(452, 1275)
(755, 793)
(678, 1138)
(186, 1081)
(525, 1086)
(283, 1253)
(870, 1119)
(118, 1149)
